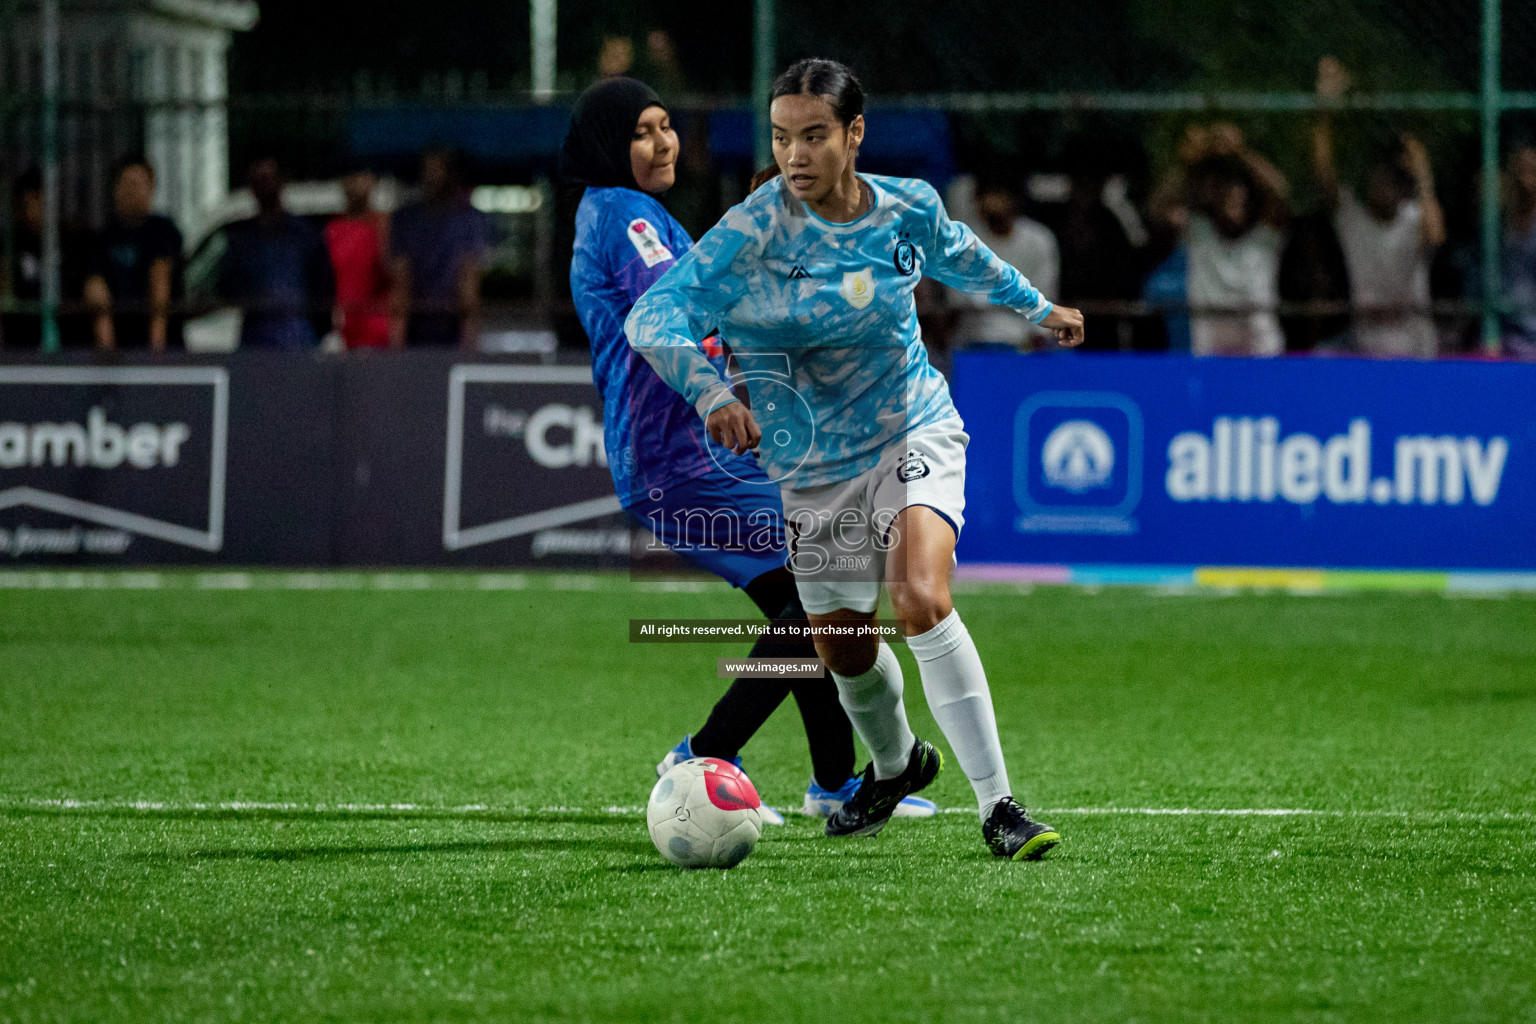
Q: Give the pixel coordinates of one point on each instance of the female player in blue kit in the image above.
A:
(619, 154)
(811, 278)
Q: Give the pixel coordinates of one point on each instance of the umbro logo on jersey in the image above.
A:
(798, 273)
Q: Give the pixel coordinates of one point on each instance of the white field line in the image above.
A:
(471, 811)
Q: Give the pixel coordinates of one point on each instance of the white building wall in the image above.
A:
(147, 76)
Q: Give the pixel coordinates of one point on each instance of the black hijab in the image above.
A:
(596, 150)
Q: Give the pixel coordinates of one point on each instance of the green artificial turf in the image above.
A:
(1409, 719)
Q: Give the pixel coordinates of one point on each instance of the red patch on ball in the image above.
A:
(729, 788)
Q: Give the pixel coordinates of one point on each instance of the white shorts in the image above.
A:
(839, 533)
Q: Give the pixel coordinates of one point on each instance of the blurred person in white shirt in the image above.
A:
(1232, 205)
(1388, 235)
(1026, 245)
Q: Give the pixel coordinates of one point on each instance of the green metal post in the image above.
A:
(50, 283)
(764, 57)
(1492, 229)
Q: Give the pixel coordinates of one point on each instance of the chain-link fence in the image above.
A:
(1084, 119)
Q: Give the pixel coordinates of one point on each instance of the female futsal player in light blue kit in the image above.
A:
(811, 279)
(619, 156)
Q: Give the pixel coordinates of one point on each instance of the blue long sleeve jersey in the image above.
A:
(821, 319)
(625, 241)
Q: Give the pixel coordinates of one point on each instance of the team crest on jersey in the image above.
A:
(905, 258)
(858, 287)
(643, 236)
(914, 466)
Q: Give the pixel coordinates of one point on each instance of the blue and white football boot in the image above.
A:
(823, 803)
(684, 751)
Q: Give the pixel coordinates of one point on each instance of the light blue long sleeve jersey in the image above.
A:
(821, 319)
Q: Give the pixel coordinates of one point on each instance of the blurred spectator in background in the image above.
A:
(437, 248)
(1233, 204)
(277, 270)
(357, 241)
(21, 277)
(1315, 283)
(1166, 287)
(695, 199)
(1025, 244)
(661, 69)
(136, 266)
(616, 56)
(1519, 270)
(1100, 258)
(1387, 239)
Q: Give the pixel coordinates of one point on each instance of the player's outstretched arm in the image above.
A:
(1068, 325)
(957, 258)
(1332, 83)
(1432, 217)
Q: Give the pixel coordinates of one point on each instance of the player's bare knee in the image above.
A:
(920, 604)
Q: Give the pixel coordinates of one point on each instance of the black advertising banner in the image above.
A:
(92, 458)
(283, 460)
(526, 473)
(413, 458)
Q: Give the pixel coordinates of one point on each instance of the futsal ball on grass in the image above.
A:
(704, 813)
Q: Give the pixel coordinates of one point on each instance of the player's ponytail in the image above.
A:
(828, 79)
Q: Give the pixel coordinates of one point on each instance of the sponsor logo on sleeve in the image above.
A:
(643, 236)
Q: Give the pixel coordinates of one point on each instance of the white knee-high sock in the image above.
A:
(873, 703)
(956, 687)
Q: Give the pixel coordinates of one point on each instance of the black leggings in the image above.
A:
(749, 702)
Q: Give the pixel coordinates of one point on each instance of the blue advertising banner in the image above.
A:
(1127, 460)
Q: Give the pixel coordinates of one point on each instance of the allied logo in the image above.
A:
(1077, 463)
(858, 287)
(643, 236)
(905, 258)
(1077, 456)
(798, 273)
(914, 466)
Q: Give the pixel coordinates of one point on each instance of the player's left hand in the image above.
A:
(1068, 325)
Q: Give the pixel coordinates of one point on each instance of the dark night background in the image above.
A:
(899, 47)
(297, 78)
